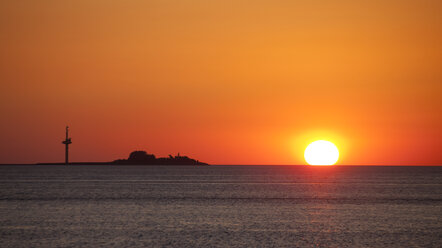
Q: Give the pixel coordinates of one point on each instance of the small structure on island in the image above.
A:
(67, 142)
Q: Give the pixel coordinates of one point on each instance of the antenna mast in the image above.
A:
(67, 142)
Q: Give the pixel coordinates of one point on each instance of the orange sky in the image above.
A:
(225, 82)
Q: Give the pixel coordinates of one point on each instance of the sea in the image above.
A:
(220, 206)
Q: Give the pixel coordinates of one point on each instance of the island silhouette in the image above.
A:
(135, 158)
(141, 158)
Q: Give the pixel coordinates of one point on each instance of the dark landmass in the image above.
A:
(141, 158)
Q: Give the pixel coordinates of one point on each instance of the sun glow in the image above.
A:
(321, 152)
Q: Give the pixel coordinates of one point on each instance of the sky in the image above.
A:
(225, 82)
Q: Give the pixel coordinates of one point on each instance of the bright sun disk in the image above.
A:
(321, 152)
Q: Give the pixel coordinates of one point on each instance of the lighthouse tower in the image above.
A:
(67, 142)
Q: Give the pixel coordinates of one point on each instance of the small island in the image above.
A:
(135, 158)
(143, 158)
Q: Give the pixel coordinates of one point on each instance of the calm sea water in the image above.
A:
(220, 206)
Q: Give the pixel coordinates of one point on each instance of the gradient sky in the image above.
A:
(225, 82)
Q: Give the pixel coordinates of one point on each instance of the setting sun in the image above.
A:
(321, 152)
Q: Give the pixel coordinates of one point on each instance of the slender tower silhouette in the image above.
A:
(67, 142)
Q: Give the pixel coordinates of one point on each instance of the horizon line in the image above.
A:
(109, 163)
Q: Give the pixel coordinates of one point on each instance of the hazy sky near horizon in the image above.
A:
(225, 82)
